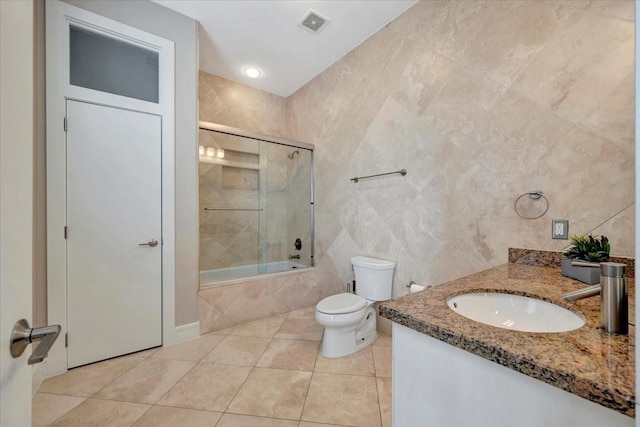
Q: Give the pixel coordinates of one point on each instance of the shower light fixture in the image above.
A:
(220, 153)
(200, 150)
(211, 152)
(252, 72)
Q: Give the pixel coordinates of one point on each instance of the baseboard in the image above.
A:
(183, 333)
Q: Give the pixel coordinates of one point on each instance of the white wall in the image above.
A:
(183, 31)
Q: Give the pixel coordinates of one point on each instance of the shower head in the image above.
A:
(292, 154)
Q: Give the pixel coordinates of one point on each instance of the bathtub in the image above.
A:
(213, 277)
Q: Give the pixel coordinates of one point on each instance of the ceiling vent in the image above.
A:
(314, 22)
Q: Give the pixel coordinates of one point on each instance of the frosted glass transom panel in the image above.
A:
(103, 63)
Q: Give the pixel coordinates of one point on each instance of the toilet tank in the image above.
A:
(374, 277)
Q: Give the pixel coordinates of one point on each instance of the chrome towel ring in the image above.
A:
(533, 195)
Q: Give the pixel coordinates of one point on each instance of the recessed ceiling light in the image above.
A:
(252, 72)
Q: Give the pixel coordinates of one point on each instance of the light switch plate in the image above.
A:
(560, 229)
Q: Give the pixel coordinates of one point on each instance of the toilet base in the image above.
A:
(339, 342)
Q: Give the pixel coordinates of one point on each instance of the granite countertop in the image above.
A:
(587, 361)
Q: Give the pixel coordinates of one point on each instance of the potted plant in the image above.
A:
(585, 248)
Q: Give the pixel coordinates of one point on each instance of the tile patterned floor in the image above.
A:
(266, 373)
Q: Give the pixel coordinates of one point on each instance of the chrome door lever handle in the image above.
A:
(153, 243)
(23, 335)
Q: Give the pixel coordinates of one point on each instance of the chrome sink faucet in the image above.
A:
(614, 305)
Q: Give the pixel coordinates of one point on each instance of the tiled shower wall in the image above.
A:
(228, 238)
(226, 102)
(481, 101)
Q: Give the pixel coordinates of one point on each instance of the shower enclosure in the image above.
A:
(256, 204)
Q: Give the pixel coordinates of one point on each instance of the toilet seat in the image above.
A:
(344, 303)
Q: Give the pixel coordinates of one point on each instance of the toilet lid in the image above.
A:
(341, 304)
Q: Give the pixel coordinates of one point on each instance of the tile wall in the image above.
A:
(229, 103)
(228, 238)
(480, 101)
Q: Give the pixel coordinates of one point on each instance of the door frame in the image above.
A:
(59, 16)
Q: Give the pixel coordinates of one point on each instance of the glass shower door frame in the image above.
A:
(265, 140)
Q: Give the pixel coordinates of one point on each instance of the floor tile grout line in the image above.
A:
(190, 408)
(305, 404)
(373, 359)
(186, 342)
(306, 396)
(119, 401)
(61, 394)
(284, 369)
(142, 415)
(119, 376)
(61, 416)
(379, 405)
(261, 416)
(149, 406)
(195, 363)
(253, 368)
(186, 407)
(200, 360)
(176, 383)
(168, 360)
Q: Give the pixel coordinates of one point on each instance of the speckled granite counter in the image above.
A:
(586, 361)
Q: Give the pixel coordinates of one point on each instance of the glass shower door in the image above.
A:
(230, 206)
(288, 207)
(256, 203)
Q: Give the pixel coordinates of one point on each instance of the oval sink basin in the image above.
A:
(515, 312)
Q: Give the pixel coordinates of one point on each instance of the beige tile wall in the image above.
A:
(229, 103)
(228, 238)
(480, 101)
(237, 234)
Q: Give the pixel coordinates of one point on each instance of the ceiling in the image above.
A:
(235, 34)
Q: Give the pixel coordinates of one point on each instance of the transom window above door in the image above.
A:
(110, 65)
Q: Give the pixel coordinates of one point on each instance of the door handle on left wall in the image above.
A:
(153, 243)
(23, 335)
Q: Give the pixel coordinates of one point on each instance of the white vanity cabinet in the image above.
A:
(436, 384)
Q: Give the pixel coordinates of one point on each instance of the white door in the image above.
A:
(113, 219)
(16, 208)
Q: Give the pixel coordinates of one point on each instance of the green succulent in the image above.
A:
(589, 248)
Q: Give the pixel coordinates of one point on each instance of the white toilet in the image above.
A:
(349, 320)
